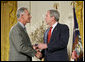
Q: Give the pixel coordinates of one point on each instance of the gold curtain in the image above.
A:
(8, 19)
(79, 15)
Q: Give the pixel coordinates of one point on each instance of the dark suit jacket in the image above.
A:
(20, 45)
(57, 47)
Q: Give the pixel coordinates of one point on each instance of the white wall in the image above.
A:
(38, 11)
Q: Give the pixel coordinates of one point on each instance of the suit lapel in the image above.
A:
(24, 33)
(20, 27)
(22, 30)
(55, 30)
(46, 33)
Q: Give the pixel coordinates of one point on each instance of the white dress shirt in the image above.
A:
(53, 26)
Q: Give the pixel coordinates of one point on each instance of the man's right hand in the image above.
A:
(42, 46)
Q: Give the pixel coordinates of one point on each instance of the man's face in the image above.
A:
(48, 18)
(26, 16)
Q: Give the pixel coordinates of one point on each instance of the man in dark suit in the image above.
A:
(21, 48)
(55, 39)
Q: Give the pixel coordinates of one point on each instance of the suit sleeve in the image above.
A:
(63, 40)
(19, 44)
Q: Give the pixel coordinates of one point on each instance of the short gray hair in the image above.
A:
(54, 13)
(20, 11)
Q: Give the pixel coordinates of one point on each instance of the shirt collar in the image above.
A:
(54, 25)
(21, 24)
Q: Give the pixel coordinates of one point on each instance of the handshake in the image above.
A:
(38, 48)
